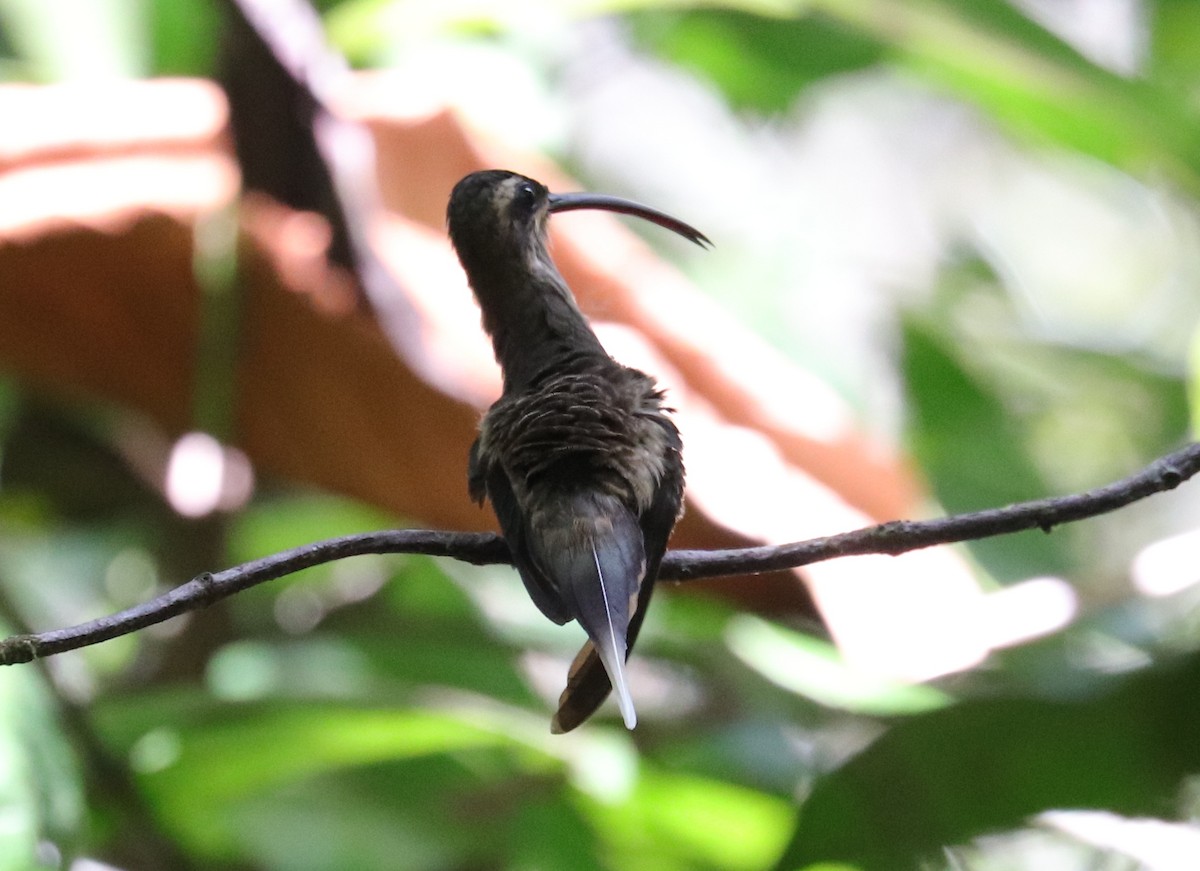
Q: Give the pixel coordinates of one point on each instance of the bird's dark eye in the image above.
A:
(524, 198)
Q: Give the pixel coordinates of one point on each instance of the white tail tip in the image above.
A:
(614, 664)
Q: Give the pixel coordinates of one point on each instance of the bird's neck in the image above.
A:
(535, 326)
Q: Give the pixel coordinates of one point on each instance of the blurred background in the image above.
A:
(955, 260)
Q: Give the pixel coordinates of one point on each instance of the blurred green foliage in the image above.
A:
(1096, 753)
(759, 63)
(390, 713)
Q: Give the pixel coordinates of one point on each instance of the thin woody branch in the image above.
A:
(891, 538)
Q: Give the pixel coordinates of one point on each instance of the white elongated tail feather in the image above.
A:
(610, 645)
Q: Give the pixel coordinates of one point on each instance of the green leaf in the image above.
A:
(199, 762)
(684, 821)
(1174, 34)
(987, 52)
(984, 51)
(814, 668)
(277, 523)
(327, 824)
(41, 797)
(271, 525)
(449, 811)
(551, 832)
(475, 664)
(1193, 384)
(184, 37)
(973, 453)
(951, 775)
(77, 39)
(759, 63)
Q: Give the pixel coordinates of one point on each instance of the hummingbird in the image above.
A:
(579, 458)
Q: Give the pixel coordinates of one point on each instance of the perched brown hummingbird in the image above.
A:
(578, 457)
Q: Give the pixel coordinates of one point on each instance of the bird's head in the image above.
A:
(497, 223)
(496, 215)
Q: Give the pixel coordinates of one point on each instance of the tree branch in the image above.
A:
(891, 538)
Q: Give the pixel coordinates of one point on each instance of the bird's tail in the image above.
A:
(609, 637)
(594, 552)
(587, 681)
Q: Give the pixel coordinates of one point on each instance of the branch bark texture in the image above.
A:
(892, 538)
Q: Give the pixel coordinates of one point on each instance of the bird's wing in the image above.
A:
(542, 589)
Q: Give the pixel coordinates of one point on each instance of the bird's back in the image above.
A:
(584, 471)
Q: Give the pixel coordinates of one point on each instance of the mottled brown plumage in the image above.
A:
(578, 457)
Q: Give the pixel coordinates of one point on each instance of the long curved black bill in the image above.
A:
(571, 202)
